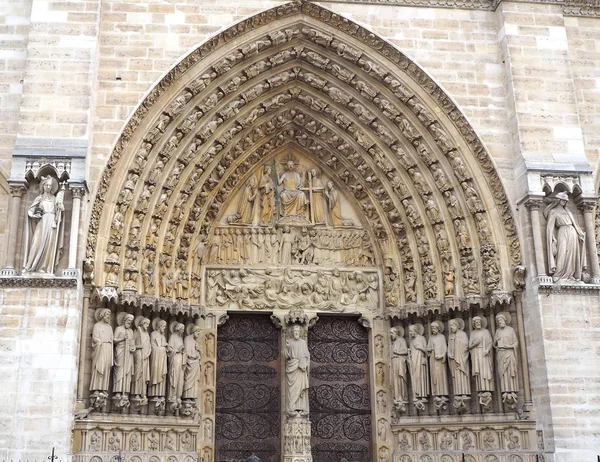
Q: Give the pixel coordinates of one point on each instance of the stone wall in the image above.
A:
(39, 335)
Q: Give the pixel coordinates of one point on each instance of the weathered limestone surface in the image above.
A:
(39, 336)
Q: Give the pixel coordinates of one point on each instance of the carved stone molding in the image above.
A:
(68, 282)
(571, 7)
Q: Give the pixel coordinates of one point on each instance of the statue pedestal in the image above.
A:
(296, 447)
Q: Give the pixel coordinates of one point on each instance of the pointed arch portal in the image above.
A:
(297, 164)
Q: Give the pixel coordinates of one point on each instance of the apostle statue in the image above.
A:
(158, 359)
(480, 344)
(417, 360)
(505, 343)
(565, 241)
(176, 364)
(141, 357)
(191, 376)
(44, 231)
(124, 350)
(267, 192)
(335, 207)
(102, 351)
(297, 361)
(437, 350)
(399, 359)
(293, 199)
(458, 358)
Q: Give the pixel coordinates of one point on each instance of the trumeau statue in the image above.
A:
(565, 241)
(399, 366)
(158, 358)
(44, 231)
(417, 355)
(191, 381)
(297, 361)
(141, 357)
(102, 351)
(124, 349)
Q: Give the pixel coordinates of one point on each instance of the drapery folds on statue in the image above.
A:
(297, 361)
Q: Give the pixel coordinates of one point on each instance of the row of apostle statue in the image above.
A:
(435, 363)
(145, 366)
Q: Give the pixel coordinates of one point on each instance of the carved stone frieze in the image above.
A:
(141, 439)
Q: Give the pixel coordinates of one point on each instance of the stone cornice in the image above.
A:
(570, 7)
(31, 282)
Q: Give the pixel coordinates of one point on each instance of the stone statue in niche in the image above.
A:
(158, 363)
(141, 357)
(245, 210)
(399, 369)
(480, 345)
(124, 350)
(297, 361)
(565, 242)
(437, 351)
(191, 380)
(293, 199)
(267, 192)
(505, 343)
(102, 351)
(44, 230)
(176, 366)
(458, 358)
(417, 360)
(335, 207)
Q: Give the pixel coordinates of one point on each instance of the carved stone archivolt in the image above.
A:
(374, 124)
(298, 163)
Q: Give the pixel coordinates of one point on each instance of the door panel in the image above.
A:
(248, 389)
(340, 408)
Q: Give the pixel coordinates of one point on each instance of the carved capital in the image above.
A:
(534, 204)
(588, 206)
(77, 192)
(17, 190)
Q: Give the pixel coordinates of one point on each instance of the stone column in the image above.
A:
(590, 240)
(16, 192)
(77, 193)
(534, 210)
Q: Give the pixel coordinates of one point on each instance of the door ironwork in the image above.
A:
(340, 408)
(248, 390)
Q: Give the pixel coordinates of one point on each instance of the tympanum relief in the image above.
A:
(290, 239)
